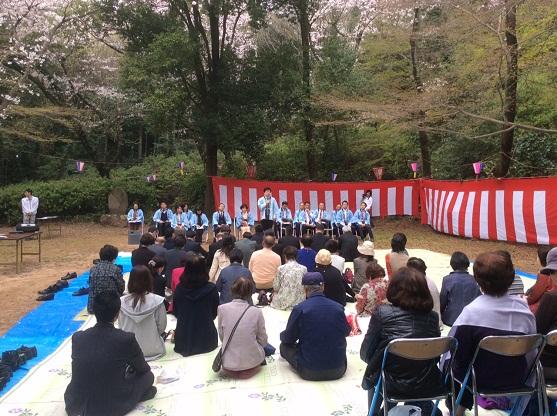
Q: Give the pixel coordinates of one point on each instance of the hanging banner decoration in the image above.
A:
(478, 167)
(151, 178)
(181, 166)
(79, 166)
(334, 176)
(378, 172)
(415, 167)
(251, 170)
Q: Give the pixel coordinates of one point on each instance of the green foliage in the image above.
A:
(534, 155)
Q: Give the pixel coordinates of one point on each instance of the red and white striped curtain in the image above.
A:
(522, 210)
(389, 197)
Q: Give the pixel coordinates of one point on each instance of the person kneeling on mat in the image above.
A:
(316, 322)
(109, 373)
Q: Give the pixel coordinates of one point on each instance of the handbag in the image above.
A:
(217, 362)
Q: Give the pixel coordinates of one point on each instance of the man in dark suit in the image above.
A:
(289, 239)
(175, 258)
(247, 246)
(348, 244)
(142, 255)
(192, 245)
(319, 238)
(109, 373)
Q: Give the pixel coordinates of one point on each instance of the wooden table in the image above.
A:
(51, 222)
(18, 239)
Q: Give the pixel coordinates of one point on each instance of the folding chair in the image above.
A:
(550, 390)
(507, 346)
(417, 349)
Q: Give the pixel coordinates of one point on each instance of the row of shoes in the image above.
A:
(12, 360)
(62, 283)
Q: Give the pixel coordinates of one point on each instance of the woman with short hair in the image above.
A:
(410, 315)
(105, 275)
(374, 293)
(244, 352)
(195, 306)
(143, 313)
(244, 220)
(287, 286)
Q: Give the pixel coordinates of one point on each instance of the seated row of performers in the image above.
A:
(304, 218)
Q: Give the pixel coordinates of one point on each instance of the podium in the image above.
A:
(134, 235)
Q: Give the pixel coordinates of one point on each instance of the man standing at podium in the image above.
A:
(29, 206)
(269, 209)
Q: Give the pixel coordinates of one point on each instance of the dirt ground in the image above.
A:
(79, 244)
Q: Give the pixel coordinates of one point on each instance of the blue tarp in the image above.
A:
(48, 325)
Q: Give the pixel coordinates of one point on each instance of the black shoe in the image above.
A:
(48, 290)
(48, 296)
(69, 276)
(81, 291)
(149, 394)
(61, 284)
(28, 352)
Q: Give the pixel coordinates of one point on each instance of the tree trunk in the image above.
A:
(309, 128)
(510, 99)
(211, 169)
(422, 133)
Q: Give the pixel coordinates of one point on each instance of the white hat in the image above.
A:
(323, 257)
(367, 249)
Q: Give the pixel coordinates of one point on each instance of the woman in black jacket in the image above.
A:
(195, 305)
(410, 315)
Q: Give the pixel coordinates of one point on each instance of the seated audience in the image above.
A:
(231, 274)
(258, 235)
(143, 313)
(398, 257)
(546, 317)
(459, 288)
(419, 265)
(221, 258)
(336, 260)
(319, 238)
(105, 275)
(348, 244)
(289, 239)
(214, 247)
(264, 264)
(335, 288)
(244, 352)
(374, 293)
(493, 313)
(247, 246)
(517, 287)
(157, 266)
(192, 245)
(168, 238)
(287, 287)
(142, 255)
(175, 258)
(543, 284)
(367, 251)
(109, 374)
(409, 315)
(195, 306)
(306, 255)
(158, 247)
(314, 341)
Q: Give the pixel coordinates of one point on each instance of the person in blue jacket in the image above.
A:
(361, 222)
(314, 341)
(135, 217)
(297, 221)
(322, 216)
(200, 224)
(268, 208)
(220, 217)
(344, 216)
(284, 219)
(163, 218)
(244, 219)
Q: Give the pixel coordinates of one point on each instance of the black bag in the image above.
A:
(217, 362)
(26, 228)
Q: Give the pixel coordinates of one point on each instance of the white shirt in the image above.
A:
(30, 206)
(368, 201)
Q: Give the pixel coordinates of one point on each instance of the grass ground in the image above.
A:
(79, 244)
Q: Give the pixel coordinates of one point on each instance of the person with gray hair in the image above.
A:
(348, 244)
(313, 324)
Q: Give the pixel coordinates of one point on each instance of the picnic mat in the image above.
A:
(275, 390)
